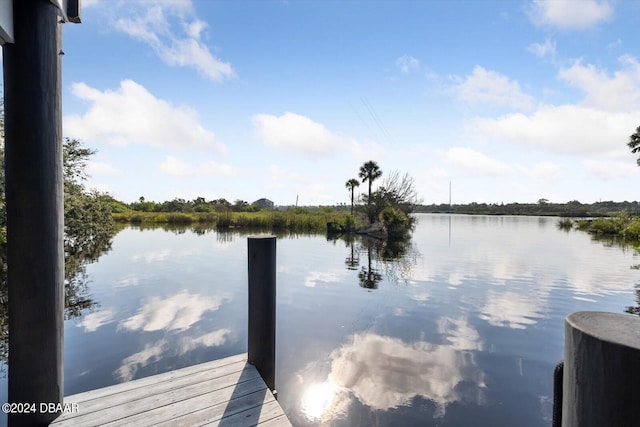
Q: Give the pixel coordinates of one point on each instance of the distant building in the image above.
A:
(263, 203)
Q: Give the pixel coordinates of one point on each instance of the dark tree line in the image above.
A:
(199, 204)
(570, 209)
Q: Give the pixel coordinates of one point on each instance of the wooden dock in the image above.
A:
(226, 392)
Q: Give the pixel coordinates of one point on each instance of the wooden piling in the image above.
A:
(34, 203)
(262, 306)
(601, 370)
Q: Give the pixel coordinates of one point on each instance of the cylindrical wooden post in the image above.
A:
(34, 203)
(262, 306)
(601, 370)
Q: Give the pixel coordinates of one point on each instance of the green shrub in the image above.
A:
(158, 218)
(117, 207)
(349, 223)
(565, 224)
(583, 224)
(632, 230)
(606, 226)
(396, 222)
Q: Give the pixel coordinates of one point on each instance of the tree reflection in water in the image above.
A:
(77, 298)
(625, 245)
(395, 258)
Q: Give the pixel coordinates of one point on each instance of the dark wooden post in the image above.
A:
(601, 370)
(34, 203)
(262, 306)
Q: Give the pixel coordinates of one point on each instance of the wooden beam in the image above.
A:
(34, 202)
(262, 306)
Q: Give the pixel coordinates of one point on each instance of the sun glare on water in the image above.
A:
(317, 399)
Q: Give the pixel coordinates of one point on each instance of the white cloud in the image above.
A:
(152, 352)
(101, 168)
(543, 50)
(569, 14)
(152, 256)
(131, 364)
(127, 281)
(282, 178)
(313, 277)
(212, 339)
(545, 171)
(612, 93)
(489, 87)
(294, 132)
(132, 115)
(384, 372)
(611, 46)
(407, 63)
(566, 129)
(177, 45)
(282, 174)
(93, 321)
(474, 161)
(177, 312)
(510, 309)
(175, 167)
(610, 169)
(317, 194)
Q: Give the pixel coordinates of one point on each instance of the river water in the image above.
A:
(461, 326)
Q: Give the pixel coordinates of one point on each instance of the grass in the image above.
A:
(293, 220)
(565, 224)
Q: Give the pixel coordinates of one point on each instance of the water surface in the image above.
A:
(461, 326)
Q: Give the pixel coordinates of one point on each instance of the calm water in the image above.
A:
(463, 327)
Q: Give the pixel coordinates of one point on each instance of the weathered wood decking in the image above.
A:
(226, 392)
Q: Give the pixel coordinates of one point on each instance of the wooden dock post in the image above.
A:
(34, 203)
(601, 370)
(262, 306)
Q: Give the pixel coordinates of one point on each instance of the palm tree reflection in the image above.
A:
(353, 260)
(396, 259)
(369, 276)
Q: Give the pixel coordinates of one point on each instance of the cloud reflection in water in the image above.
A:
(512, 310)
(384, 372)
(93, 321)
(177, 312)
(154, 352)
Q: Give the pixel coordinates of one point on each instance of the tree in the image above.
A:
(74, 161)
(351, 185)
(88, 224)
(370, 171)
(634, 143)
(400, 192)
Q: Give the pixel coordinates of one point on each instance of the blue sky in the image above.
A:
(511, 101)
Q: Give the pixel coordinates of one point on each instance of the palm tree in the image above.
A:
(370, 171)
(351, 185)
(634, 143)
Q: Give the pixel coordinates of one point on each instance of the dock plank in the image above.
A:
(226, 392)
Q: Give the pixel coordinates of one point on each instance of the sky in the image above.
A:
(510, 101)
